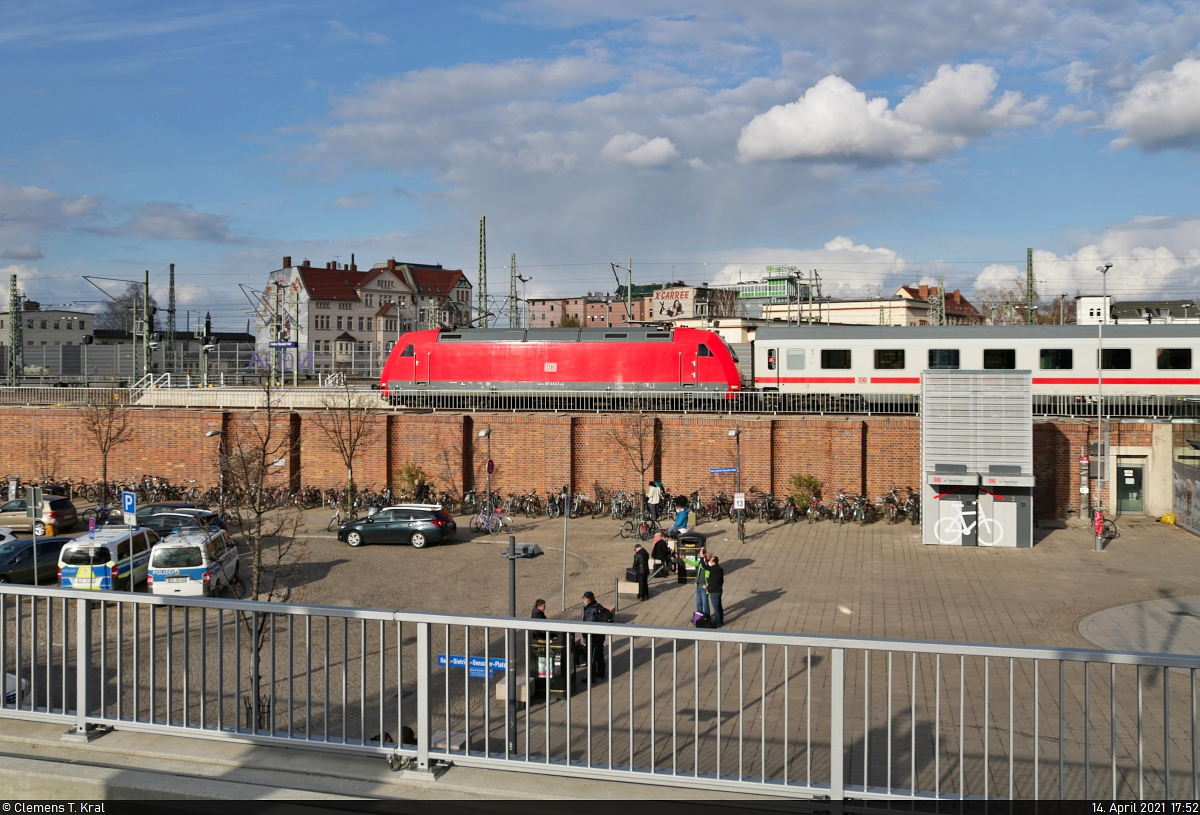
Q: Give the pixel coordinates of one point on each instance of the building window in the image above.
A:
(1118, 359)
(339, 323)
(888, 359)
(1000, 359)
(943, 358)
(56, 325)
(835, 358)
(83, 325)
(369, 324)
(369, 299)
(1174, 359)
(345, 306)
(1056, 359)
(322, 304)
(43, 323)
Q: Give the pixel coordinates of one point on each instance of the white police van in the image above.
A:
(107, 561)
(193, 561)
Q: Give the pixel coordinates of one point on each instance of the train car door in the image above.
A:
(421, 369)
(688, 365)
(772, 373)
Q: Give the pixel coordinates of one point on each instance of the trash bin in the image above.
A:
(555, 670)
(689, 552)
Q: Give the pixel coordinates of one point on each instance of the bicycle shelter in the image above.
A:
(977, 458)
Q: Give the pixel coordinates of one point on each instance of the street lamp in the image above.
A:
(220, 469)
(736, 435)
(524, 301)
(1101, 424)
(487, 500)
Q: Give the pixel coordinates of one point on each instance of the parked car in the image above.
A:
(58, 515)
(11, 684)
(16, 559)
(193, 562)
(144, 511)
(105, 563)
(7, 534)
(164, 522)
(417, 524)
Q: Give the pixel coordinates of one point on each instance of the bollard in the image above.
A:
(616, 595)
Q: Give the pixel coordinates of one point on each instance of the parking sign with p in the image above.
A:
(129, 508)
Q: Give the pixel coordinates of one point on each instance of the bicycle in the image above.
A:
(951, 530)
(643, 529)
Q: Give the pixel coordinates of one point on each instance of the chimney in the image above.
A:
(924, 292)
(391, 264)
(32, 305)
(353, 265)
(287, 261)
(305, 264)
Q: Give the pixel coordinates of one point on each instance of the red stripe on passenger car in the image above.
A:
(896, 380)
(839, 380)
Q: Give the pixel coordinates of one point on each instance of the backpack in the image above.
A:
(604, 615)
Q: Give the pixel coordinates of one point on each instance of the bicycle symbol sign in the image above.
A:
(951, 530)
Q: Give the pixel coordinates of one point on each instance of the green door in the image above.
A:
(1129, 488)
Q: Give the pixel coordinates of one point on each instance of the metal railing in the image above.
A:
(176, 391)
(776, 714)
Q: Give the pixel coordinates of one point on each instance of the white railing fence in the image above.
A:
(778, 714)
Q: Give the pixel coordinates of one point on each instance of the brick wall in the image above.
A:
(538, 452)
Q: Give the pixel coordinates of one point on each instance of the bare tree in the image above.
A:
(120, 313)
(349, 421)
(106, 417)
(636, 433)
(45, 454)
(260, 446)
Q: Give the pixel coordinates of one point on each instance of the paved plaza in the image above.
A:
(823, 578)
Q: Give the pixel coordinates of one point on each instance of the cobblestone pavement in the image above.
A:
(873, 581)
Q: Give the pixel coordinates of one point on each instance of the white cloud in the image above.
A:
(834, 121)
(999, 276)
(162, 220)
(848, 269)
(341, 31)
(1161, 111)
(27, 251)
(639, 151)
(40, 208)
(355, 200)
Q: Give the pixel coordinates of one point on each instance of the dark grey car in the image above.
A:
(16, 559)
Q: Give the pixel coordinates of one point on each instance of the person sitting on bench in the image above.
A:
(681, 518)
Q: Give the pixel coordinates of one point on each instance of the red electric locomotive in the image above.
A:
(562, 360)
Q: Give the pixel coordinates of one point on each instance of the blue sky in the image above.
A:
(879, 143)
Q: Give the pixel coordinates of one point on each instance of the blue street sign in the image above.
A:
(717, 470)
(477, 665)
(129, 508)
(92, 528)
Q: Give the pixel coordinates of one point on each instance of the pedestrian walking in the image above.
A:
(653, 499)
(593, 612)
(539, 610)
(641, 565)
(702, 606)
(715, 585)
(421, 491)
(661, 552)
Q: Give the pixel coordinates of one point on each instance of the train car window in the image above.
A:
(1174, 359)
(889, 359)
(1056, 359)
(943, 358)
(703, 351)
(1118, 359)
(796, 359)
(770, 359)
(838, 358)
(407, 352)
(999, 359)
